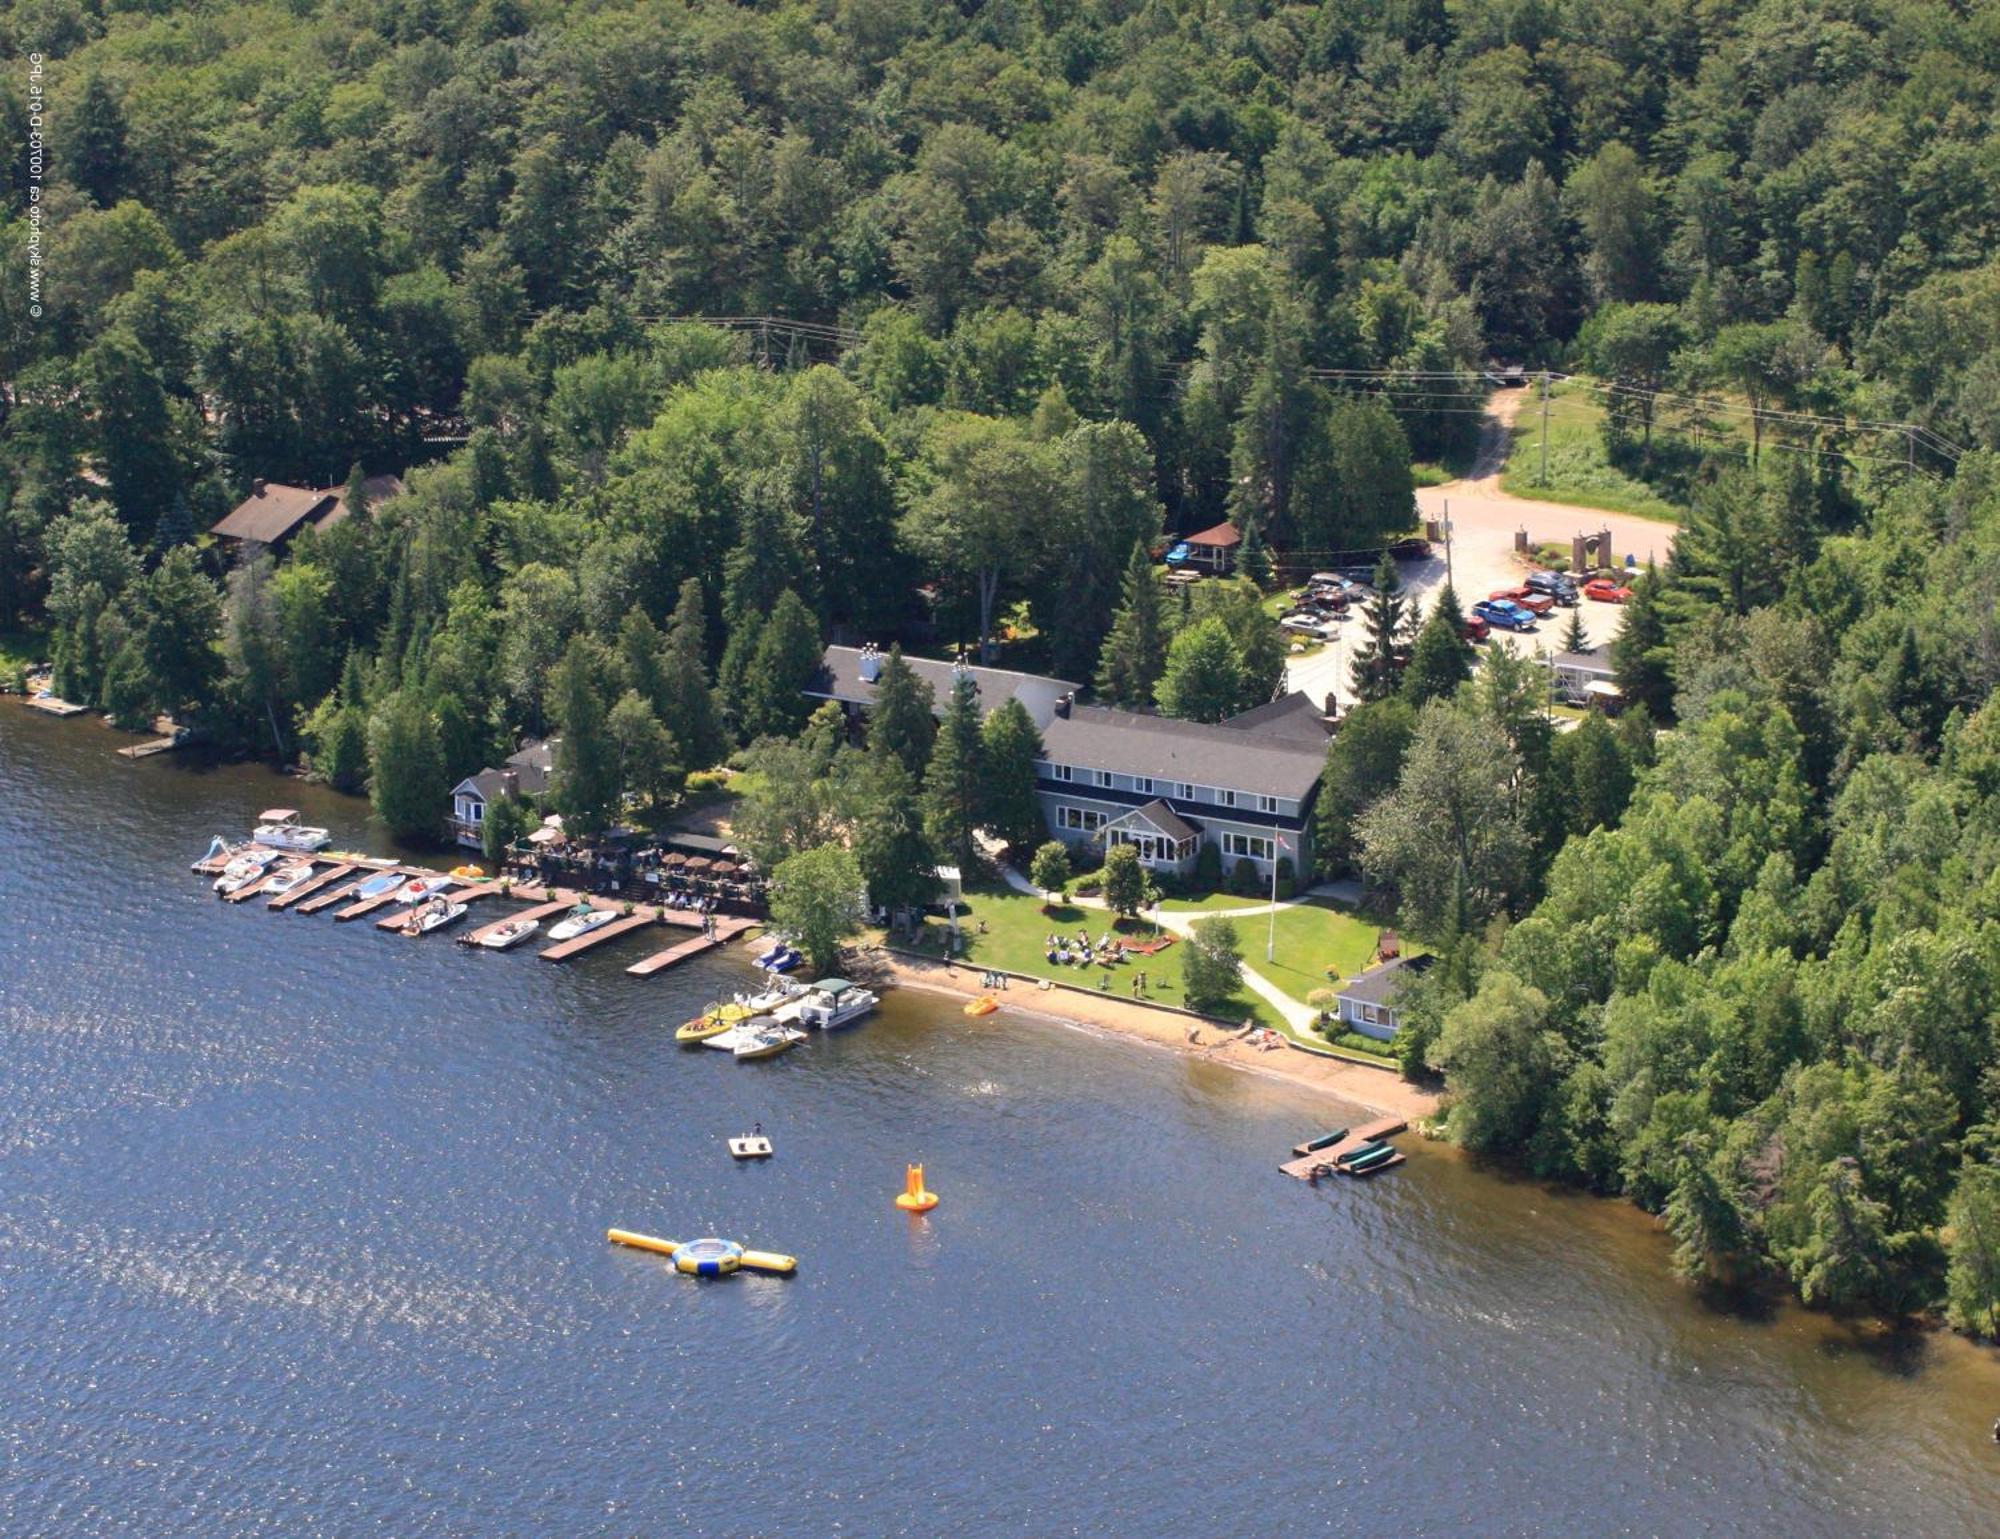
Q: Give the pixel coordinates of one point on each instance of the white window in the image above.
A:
(1229, 798)
(1252, 845)
(1079, 819)
(474, 811)
(1267, 804)
(1187, 792)
(1059, 771)
(1143, 783)
(1104, 777)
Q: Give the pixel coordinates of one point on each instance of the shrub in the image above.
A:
(1244, 878)
(1287, 881)
(1207, 867)
(703, 781)
(1323, 1000)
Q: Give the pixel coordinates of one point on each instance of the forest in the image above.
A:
(702, 333)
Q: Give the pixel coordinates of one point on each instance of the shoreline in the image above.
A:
(1376, 1090)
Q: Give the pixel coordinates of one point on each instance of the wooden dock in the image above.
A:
(147, 749)
(726, 930)
(470, 894)
(539, 911)
(307, 888)
(337, 895)
(366, 906)
(51, 706)
(1308, 1167)
(564, 950)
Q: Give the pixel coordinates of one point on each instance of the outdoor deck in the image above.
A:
(1307, 1167)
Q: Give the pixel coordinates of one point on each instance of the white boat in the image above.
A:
(418, 888)
(741, 1033)
(433, 914)
(281, 829)
(509, 934)
(580, 920)
(829, 1003)
(288, 878)
(376, 886)
(768, 1041)
(781, 993)
(244, 869)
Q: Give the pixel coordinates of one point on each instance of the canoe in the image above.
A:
(1373, 1146)
(1382, 1159)
(1324, 1141)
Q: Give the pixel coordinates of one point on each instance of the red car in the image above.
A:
(1535, 603)
(1475, 629)
(1605, 591)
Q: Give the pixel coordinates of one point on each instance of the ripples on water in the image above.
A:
(301, 1233)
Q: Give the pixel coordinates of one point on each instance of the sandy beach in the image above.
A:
(1376, 1090)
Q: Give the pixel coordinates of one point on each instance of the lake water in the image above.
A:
(301, 1233)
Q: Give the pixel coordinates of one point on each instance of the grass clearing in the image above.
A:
(1017, 928)
(1580, 471)
(1311, 937)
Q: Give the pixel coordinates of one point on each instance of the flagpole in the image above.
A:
(1271, 941)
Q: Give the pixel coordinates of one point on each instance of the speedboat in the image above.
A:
(433, 914)
(833, 1002)
(244, 869)
(512, 933)
(281, 829)
(379, 886)
(781, 992)
(742, 1031)
(713, 1022)
(580, 920)
(768, 1041)
(288, 878)
(418, 888)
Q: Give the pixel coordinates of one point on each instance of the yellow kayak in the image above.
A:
(712, 1022)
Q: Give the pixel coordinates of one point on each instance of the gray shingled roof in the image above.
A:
(1598, 660)
(839, 678)
(1379, 985)
(532, 765)
(1296, 717)
(1095, 737)
(274, 512)
(1162, 817)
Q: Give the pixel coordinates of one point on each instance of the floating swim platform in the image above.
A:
(1317, 1162)
(707, 1257)
(755, 1147)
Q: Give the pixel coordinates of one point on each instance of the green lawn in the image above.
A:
(1017, 927)
(18, 649)
(1311, 937)
(1579, 471)
(1213, 902)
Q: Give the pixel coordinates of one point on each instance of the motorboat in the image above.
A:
(244, 868)
(433, 913)
(288, 878)
(379, 885)
(743, 1030)
(581, 920)
(512, 933)
(712, 1022)
(418, 888)
(831, 1002)
(781, 992)
(281, 829)
(768, 1041)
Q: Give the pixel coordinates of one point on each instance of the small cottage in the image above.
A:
(1367, 1002)
(527, 772)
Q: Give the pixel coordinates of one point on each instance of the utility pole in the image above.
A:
(1447, 547)
(1545, 429)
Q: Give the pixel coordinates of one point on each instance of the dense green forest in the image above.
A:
(997, 293)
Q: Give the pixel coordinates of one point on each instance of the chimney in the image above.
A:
(257, 486)
(1332, 703)
(871, 664)
(1064, 702)
(510, 783)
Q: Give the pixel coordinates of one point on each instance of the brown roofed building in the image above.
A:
(273, 512)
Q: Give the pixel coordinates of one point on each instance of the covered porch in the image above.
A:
(1164, 839)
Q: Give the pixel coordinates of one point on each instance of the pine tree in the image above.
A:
(94, 143)
(1575, 638)
(1010, 745)
(953, 780)
(586, 784)
(687, 707)
(732, 679)
(1378, 662)
(642, 659)
(175, 526)
(1135, 652)
(1641, 659)
(407, 783)
(902, 721)
(1438, 662)
(354, 497)
(648, 757)
(788, 654)
(1252, 559)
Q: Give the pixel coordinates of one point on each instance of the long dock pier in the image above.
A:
(1309, 1166)
(539, 911)
(562, 951)
(471, 894)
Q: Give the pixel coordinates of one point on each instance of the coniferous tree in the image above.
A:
(1575, 638)
(903, 719)
(1378, 661)
(687, 707)
(788, 655)
(642, 660)
(648, 757)
(587, 784)
(953, 781)
(1252, 559)
(1438, 662)
(176, 525)
(890, 845)
(94, 143)
(1204, 675)
(1364, 758)
(1641, 658)
(178, 613)
(407, 782)
(354, 496)
(1135, 652)
(1009, 747)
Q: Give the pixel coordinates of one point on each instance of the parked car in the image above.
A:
(1557, 585)
(1606, 591)
(1305, 625)
(1504, 613)
(1527, 598)
(1475, 629)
